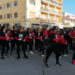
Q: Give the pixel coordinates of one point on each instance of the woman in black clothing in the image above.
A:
(20, 43)
(5, 42)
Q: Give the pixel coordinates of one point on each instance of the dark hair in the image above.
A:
(2, 28)
(54, 28)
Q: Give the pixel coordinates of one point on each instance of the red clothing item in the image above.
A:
(10, 35)
(39, 37)
(72, 34)
(16, 38)
(27, 38)
(62, 40)
(51, 32)
(57, 39)
(5, 36)
(57, 36)
(45, 32)
(73, 61)
(31, 35)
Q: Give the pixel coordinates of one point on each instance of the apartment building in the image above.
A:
(30, 12)
(19, 12)
(51, 10)
(12, 12)
(68, 19)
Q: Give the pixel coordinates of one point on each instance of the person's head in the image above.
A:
(0, 27)
(30, 29)
(4, 29)
(24, 29)
(61, 35)
(14, 28)
(21, 29)
(38, 29)
(8, 28)
(73, 28)
(55, 29)
(48, 28)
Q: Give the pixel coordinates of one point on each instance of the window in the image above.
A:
(0, 7)
(32, 2)
(0, 16)
(8, 5)
(15, 15)
(15, 3)
(9, 16)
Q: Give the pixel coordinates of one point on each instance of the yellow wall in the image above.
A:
(54, 10)
(34, 11)
(20, 9)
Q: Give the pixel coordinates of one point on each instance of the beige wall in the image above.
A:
(34, 12)
(20, 9)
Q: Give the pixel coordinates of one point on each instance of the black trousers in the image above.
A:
(13, 45)
(61, 49)
(5, 47)
(73, 57)
(30, 43)
(53, 47)
(20, 46)
(70, 43)
(0, 44)
(36, 44)
(39, 45)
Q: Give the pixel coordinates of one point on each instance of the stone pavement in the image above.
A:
(34, 66)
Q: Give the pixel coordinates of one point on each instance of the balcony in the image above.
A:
(44, 9)
(53, 2)
(54, 12)
(56, 3)
(46, 1)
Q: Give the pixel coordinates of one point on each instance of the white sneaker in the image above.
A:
(60, 57)
(65, 55)
(31, 52)
(26, 52)
(42, 55)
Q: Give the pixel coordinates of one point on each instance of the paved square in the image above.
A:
(34, 66)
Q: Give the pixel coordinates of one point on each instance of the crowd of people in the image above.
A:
(45, 41)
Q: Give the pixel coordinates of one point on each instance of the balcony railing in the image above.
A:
(55, 2)
(52, 1)
(54, 12)
(50, 11)
(44, 9)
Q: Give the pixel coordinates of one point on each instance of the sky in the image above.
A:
(69, 6)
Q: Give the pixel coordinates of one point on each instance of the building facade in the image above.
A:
(12, 12)
(68, 19)
(51, 10)
(30, 12)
